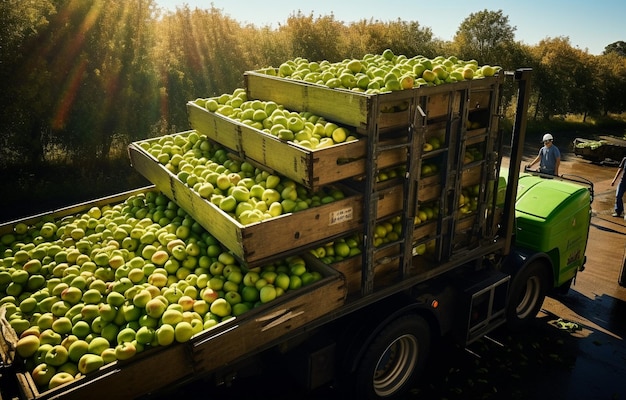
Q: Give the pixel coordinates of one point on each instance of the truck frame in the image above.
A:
(369, 330)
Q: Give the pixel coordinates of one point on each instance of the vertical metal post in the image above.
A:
(522, 76)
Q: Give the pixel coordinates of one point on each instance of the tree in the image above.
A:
(611, 77)
(314, 38)
(618, 48)
(25, 96)
(484, 36)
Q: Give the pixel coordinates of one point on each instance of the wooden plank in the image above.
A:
(145, 373)
(344, 107)
(312, 168)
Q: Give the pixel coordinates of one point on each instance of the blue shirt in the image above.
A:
(548, 157)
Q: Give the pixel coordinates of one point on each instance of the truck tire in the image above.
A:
(393, 359)
(528, 291)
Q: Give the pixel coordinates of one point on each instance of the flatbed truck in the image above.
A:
(368, 323)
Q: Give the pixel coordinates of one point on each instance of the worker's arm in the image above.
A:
(533, 162)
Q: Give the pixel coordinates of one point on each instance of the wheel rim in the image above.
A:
(529, 298)
(395, 365)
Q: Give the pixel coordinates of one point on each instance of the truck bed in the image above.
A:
(162, 366)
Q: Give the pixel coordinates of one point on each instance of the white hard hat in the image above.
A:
(547, 137)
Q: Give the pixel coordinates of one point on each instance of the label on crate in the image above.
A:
(340, 216)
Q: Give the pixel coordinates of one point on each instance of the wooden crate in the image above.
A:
(241, 337)
(207, 351)
(271, 238)
(361, 110)
(312, 168)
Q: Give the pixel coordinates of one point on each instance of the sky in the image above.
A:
(590, 24)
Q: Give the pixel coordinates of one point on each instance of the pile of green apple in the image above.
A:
(427, 212)
(88, 289)
(248, 194)
(471, 125)
(433, 143)
(380, 73)
(339, 249)
(303, 128)
(389, 173)
(468, 199)
(472, 153)
(429, 169)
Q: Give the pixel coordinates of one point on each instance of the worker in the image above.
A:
(618, 208)
(549, 157)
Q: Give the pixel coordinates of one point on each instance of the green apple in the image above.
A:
(186, 302)
(27, 346)
(40, 355)
(59, 379)
(89, 312)
(56, 356)
(81, 329)
(42, 374)
(183, 331)
(28, 305)
(249, 294)
(145, 335)
(221, 307)
(77, 350)
(159, 257)
(209, 295)
(49, 336)
(171, 317)
(107, 312)
(201, 307)
(141, 298)
(146, 320)
(116, 298)
(165, 335)
(233, 297)
(136, 275)
(69, 367)
(282, 280)
(60, 308)
(250, 278)
(132, 312)
(121, 285)
(173, 294)
(45, 321)
(62, 325)
(240, 308)
(157, 279)
(92, 296)
(267, 293)
(97, 345)
(155, 308)
(125, 350)
(89, 363)
(108, 355)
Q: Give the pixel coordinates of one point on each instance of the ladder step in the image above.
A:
(387, 147)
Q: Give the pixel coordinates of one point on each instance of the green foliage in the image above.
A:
(484, 35)
(82, 79)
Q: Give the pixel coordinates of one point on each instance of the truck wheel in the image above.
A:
(526, 296)
(393, 359)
